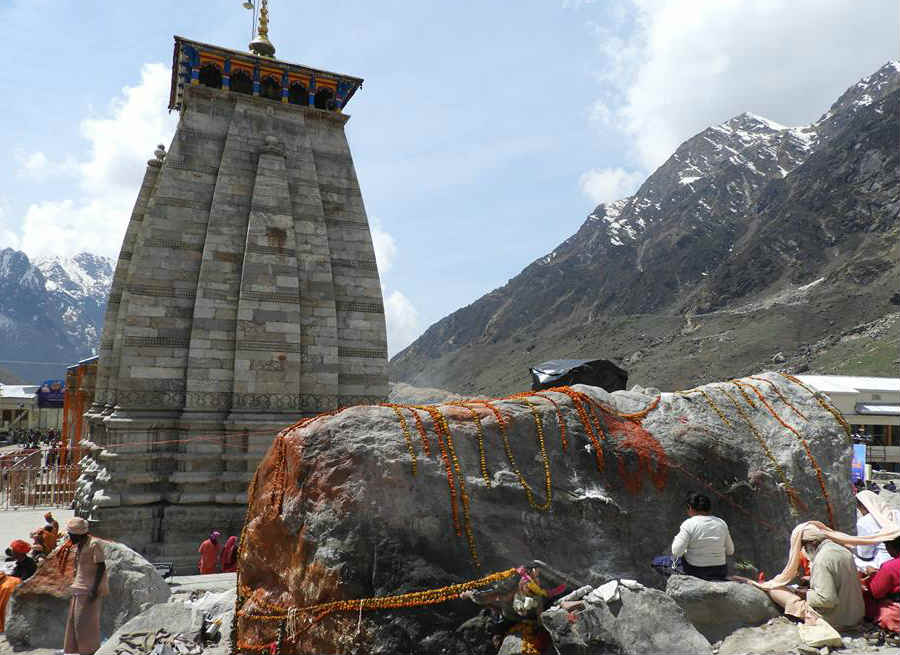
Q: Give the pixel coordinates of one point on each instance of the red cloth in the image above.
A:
(20, 547)
(884, 611)
(209, 555)
(229, 555)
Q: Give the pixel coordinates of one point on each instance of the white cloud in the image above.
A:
(109, 176)
(385, 246)
(609, 184)
(38, 166)
(402, 319)
(35, 162)
(687, 64)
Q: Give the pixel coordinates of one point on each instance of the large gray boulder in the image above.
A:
(717, 609)
(36, 617)
(638, 623)
(339, 512)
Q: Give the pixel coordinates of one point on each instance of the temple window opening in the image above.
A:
(241, 82)
(270, 88)
(211, 76)
(325, 99)
(298, 95)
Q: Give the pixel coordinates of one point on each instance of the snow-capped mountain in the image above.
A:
(741, 213)
(51, 310)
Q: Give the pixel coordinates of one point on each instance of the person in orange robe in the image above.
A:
(229, 555)
(7, 585)
(209, 553)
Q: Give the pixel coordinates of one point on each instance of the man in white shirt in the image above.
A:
(703, 541)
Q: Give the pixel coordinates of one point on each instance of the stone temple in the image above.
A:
(246, 296)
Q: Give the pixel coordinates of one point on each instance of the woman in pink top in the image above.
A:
(884, 590)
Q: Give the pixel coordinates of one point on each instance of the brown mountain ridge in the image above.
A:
(753, 246)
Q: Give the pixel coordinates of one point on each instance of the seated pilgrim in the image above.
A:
(834, 593)
(873, 517)
(703, 541)
(884, 591)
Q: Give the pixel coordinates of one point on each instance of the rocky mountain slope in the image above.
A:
(51, 310)
(753, 241)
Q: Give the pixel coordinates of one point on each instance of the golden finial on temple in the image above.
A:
(261, 45)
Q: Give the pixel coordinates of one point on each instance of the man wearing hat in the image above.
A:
(25, 565)
(88, 589)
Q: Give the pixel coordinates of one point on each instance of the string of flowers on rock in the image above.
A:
(822, 402)
(792, 495)
(812, 460)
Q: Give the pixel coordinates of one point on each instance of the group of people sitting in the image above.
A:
(830, 577)
(22, 557)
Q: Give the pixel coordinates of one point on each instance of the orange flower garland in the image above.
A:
(737, 383)
(412, 599)
(548, 483)
(448, 466)
(812, 460)
(827, 407)
(406, 435)
(561, 421)
(461, 479)
(423, 435)
(574, 396)
(479, 431)
(780, 395)
(788, 488)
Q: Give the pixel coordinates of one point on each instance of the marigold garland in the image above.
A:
(825, 405)
(737, 384)
(715, 407)
(461, 479)
(420, 426)
(781, 396)
(479, 432)
(574, 396)
(448, 466)
(406, 435)
(507, 449)
(412, 599)
(560, 420)
(789, 490)
(548, 482)
(637, 416)
(812, 460)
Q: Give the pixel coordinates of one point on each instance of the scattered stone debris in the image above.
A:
(179, 627)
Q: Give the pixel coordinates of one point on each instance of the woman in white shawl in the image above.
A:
(874, 517)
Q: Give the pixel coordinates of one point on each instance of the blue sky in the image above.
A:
(485, 131)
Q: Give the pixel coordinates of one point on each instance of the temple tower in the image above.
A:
(246, 296)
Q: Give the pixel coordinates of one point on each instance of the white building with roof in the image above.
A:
(872, 407)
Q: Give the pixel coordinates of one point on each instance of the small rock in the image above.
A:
(778, 358)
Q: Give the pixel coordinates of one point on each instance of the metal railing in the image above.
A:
(38, 487)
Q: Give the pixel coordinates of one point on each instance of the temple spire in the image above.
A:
(261, 45)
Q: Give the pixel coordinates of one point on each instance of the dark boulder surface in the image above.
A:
(340, 510)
